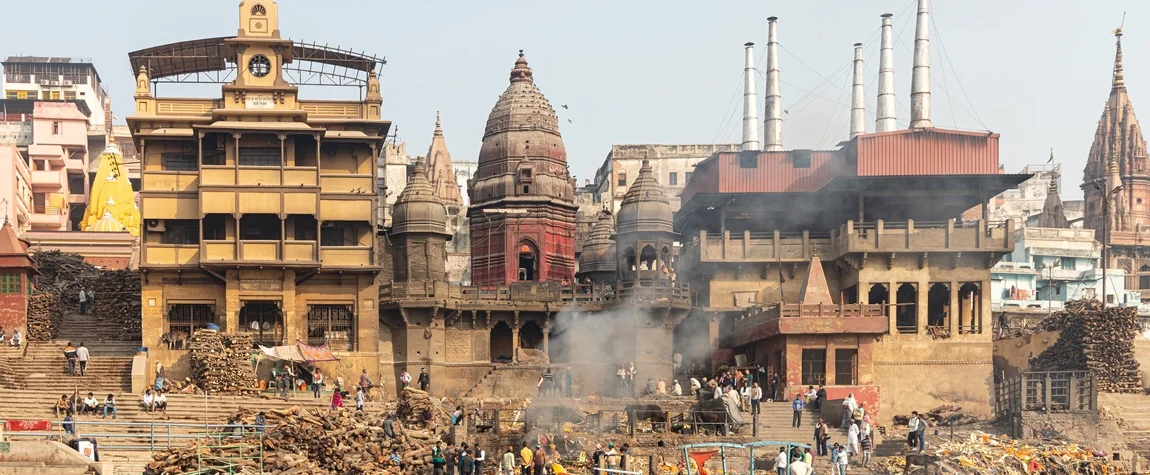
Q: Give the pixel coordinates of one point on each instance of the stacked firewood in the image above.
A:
(63, 274)
(312, 441)
(945, 415)
(417, 407)
(221, 363)
(43, 316)
(118, 304)
(1096, 339)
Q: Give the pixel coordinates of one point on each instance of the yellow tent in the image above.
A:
(112, 194)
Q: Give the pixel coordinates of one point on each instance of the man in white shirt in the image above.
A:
(781, 461)
(676, 389)
(91, 404)
(756, 397)
(83, 355)
(912, 430)
(799, 467)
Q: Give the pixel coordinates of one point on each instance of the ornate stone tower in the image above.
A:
(597, 262)
(1117, 159)
(644, 234)
(419, 231)
(522, 212)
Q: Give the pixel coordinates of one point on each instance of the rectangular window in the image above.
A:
(802, 158)
(55, 128)
(12, 95)
(846, 367)
(332, 325)
(1069, 263)
(673, 179)
(622, 179)
(331, 236)
(185, 319)
(259, 157)
(25, 95)
(185, 231)
(69, 95)
(814, 367)
(9, 283)
(178, 162)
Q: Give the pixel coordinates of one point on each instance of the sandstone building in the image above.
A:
(259, 205)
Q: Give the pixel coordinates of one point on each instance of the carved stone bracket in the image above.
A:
(890, 260)
(957, 258)
(922, 261)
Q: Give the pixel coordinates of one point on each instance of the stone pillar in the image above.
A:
(922, 310)
(515, 344)
(547, 342)
(955, 312)
(232, 301)
(891, 310)
(295, 323)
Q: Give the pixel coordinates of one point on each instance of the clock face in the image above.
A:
(259, 65)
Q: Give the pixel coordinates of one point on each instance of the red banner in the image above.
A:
(27, 426)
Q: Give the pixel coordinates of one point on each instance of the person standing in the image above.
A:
(437, 458)
(797, 407)
(424, 379)
(91, 299)
(70, 356)
(799, 466)
(756, 397)
(507, 466)
(480, 457)
(82, 355)
(849, 406)
(317, 382)
(781, 461)
(839, 459)
(570, 381)
(920, 435)
(336, 400)
(83, 302)
(261, 422)
(452, 458)
(359, 399)
(912, 430)
(466, 463)
(525, 455)
(621, 373)
(822, 433)
(540, 460)
(853, 443)
(404, 379)
(548, 387)
(867, 450)
(365, 383)
(597, 459)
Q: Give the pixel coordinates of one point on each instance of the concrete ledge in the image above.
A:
(40, 456)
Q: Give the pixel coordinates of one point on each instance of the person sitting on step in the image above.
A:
(91, 405)
(61, 406)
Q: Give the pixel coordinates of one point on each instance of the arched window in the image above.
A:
(629, 258)
(647, 258)
(259, 10)
(1144, 277)
(528, 261)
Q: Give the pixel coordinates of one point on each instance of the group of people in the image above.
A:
(87, 300)
(464, 459)
(424, 379)
(552, 385)
(77, 359)
(743, 383)
(855, 420)
(69, 407)
(16, 339)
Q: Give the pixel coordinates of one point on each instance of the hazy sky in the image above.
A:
(668, 71)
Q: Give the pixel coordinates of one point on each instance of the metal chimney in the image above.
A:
(774, 123)
(920, 80)
(884, 117)
(750, 103)
(858, 104)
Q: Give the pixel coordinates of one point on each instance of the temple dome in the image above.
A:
(599, 249)
(106, 224)
(522, 155)
(645, 207)
(418, 209)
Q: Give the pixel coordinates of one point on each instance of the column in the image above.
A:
(891, 309)
(292, 324)
(515, 344)
(921, 309)
(547, 341)
(954, 313)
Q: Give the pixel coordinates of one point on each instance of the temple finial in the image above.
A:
(1118, 80)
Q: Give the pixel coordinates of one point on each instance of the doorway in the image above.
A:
(502, 345)
(528, 261)
(531, 336)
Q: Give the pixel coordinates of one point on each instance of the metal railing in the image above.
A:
(1046, 391)
(149, 436)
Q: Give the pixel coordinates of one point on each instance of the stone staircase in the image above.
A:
(508, 381)
(1134, 409)
(41, 366)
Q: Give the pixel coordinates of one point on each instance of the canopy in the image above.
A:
(299, 353)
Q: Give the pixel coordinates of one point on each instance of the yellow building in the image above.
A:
(258, 206)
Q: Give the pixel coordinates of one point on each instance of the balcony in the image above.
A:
(48, 181)
(799, 319)
(299, 251)
(164, 207)
(753, 247)
(258, 176)
(172, 255)
(223, 251)
(171, 181)
(49, 218)
(332, 109)
(345, 183)
(909, 236)
(654, 289)
(223, 175)
(217, 175)
(356, 209)
(346, 256)
(259, 252)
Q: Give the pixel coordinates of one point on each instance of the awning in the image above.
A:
(299, 353)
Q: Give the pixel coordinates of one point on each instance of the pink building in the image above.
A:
(15, 189)
(58, 160)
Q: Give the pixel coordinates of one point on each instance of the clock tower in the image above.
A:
(259, 53)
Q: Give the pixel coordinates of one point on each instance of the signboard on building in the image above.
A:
(259, 101)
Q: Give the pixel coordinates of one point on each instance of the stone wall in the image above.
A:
(1012, 355)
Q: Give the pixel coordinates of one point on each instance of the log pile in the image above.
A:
(417, 407)
(63, 274)
(118, 304)
(1098, 340)
(221, 363)
(310, 442)
(945, 415)
(43, 316)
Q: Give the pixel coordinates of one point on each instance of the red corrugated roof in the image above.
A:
(57, 110)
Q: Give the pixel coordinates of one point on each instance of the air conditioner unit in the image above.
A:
(55, 83)
(45, 82)
(67, 82)
(155, 226)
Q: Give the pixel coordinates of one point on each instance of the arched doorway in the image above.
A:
(938, 305)
(502, 344)
(647, 258)
(906, 315)
(629, 258)
(969, 308)
(528, 261)
(1144, 278)
(878, 295)
(531, 336)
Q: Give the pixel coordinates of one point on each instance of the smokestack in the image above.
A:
(858, 104)
(920, 80)
(884, 117)
(750, 103)
(773, 142)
